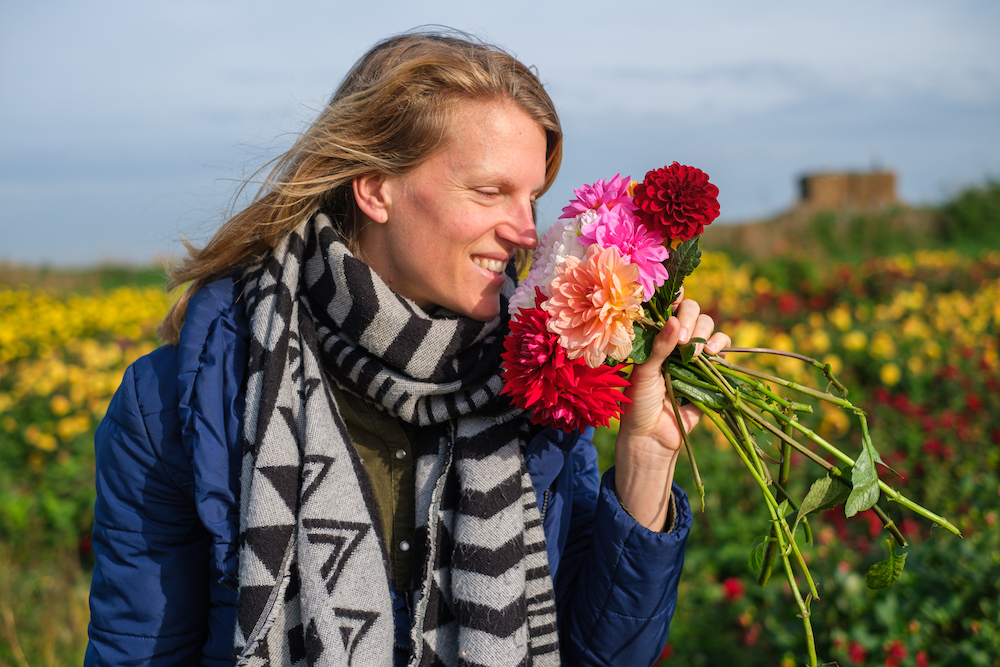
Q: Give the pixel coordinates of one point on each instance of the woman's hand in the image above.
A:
(649, 436)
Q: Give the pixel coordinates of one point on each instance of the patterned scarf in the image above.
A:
(314, 574)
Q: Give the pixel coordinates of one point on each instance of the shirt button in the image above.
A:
(404, 546)
(401, 454)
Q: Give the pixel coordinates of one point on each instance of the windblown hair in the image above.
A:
(392, 112)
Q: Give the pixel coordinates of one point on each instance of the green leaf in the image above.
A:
(784, 508)
(712, 399)
(687, 352)
(757, 552)
(864, 479)
(684, 259)
(885, 573)
(824, 494)
(642, 345)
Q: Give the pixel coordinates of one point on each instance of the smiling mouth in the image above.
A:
(494, 265)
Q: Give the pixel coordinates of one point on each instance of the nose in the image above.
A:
(520, 229)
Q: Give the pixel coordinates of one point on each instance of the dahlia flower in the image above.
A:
(562, 240)
(559, 391)
(593, 305)
(677, 200)
(636, 244)
(606, 194)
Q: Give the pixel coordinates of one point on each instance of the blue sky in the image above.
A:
(127, 124)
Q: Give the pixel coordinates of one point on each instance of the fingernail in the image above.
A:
(698, 347)
(683, 336)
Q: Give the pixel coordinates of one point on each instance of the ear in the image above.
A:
(371, 193)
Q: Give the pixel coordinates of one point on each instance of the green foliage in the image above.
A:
(972, 217)
(885, 573)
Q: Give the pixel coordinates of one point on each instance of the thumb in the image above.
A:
(663, 345)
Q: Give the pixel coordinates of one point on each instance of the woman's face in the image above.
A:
(455, 221)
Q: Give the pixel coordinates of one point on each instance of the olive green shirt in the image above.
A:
(383, 444)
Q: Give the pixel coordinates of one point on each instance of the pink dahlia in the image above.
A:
(636, 244)
(606, 194)
(677, 200)
(559, 391)
(593, 304)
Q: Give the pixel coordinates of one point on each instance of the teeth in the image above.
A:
(494, 265)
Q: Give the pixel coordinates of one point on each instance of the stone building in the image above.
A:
(847, 190)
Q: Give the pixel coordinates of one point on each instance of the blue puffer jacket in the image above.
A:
(166, 519)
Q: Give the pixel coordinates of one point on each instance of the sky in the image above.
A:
(127, 125)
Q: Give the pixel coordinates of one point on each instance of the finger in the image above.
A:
(663, 345)
(703, 328)
(718, 342)
(680, 297)
(690, 416)
(687, 314)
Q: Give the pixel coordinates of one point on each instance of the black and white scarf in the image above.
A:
(314, 574)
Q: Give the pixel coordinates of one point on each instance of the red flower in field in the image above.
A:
(667, 652)
(895, 653)
(733, 589)
(922, 659)
(973, 403)
(902, 403)
(678, 201)
(751, 636)
(85, 546)
(565, 393)
(856, 653)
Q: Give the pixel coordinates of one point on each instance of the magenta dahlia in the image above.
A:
(607, 194)
(637, 245)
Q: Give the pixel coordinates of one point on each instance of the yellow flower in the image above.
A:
(890, 374)
(59, 405)
(882, 346)
(820, 341)
(915, 364)
(855, 340)
(840, 317)
(761, 285)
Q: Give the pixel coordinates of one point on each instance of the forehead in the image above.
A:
(494, 138)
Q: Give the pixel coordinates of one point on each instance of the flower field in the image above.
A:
(916, 338)
(62, 356)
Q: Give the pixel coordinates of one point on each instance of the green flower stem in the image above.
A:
(763, 388)
(823, 368)
(659, 316)
(700, 485)
(890, 492)
(783, 470)
(777, 503)
(772, 508)
(808, 391)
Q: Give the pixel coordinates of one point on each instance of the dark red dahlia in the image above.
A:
(678, 201)
(561, 392)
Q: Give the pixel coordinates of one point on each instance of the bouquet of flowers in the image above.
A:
(601, 286)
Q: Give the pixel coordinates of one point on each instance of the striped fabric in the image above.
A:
(314, 573)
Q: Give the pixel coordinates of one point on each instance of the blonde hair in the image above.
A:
(392, 111)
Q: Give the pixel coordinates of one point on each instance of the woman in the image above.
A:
(319, 468)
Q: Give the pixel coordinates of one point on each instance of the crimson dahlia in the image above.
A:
(677, 200)
(559, 391)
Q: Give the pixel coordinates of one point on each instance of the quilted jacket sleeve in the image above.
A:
(149, 595)
(163, 591)
(617, 582)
